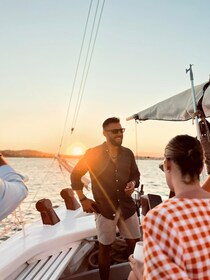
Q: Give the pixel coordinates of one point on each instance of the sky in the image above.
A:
(140, 56)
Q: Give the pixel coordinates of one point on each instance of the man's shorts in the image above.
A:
(106, 228)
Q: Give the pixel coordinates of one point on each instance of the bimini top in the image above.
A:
(178, 107)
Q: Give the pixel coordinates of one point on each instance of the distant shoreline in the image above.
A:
(38, 154)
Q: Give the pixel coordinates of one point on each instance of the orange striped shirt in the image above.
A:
(177, 240)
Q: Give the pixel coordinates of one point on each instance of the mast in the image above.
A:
(194, 101)
(195, 112)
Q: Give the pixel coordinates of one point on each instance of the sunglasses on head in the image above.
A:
(116, 130)
(161, 166)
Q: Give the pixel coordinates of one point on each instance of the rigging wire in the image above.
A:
(75, 76)
(81, 92)
(40, 186)
(85, 64)
(86, 67)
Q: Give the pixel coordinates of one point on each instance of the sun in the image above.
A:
(76, 149)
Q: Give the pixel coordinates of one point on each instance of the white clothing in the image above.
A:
(12, 190)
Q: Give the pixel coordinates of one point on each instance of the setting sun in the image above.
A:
(76, 149)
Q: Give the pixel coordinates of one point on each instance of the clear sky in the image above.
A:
(140, 57)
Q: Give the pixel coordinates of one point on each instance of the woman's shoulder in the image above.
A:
(159, 212)
(174, 208)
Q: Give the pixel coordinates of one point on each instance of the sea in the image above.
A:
(46, 179)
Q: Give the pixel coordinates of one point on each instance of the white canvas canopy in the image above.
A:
(178, 107)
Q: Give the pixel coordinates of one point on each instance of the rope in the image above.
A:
(40, 186)
(75, 77)
(81, 92)
(11, 224)
(86, 68)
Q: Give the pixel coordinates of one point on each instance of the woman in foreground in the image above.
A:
(177, 232)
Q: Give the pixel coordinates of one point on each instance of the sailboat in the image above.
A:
(58, 245)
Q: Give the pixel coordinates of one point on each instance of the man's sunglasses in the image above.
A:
(116, 131)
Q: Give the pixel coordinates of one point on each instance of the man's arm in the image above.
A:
(134, 177)
(135, 174)
(80, 169)
(88, 204)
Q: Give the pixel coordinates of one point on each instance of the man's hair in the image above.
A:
(110, 120)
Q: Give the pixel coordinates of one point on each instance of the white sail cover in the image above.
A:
(176, 108)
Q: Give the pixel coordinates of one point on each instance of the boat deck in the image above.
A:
(51, 267)
(45, 244)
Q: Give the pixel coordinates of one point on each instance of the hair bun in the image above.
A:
(190, 152)
(193, 154)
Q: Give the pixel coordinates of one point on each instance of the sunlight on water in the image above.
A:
(153, 178)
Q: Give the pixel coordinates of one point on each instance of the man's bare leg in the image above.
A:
(104, 261)
(131, 245)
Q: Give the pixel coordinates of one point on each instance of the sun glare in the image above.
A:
(76, 150)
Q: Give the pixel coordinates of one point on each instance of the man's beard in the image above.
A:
(116, 143)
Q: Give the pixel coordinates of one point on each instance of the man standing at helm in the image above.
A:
(114, 175)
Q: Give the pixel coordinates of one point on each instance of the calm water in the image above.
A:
(47, 179)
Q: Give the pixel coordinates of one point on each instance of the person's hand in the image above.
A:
(132, 276)
(2, 160)
(132, 262)
(88, 205)
(137, 269)
(130, 187)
